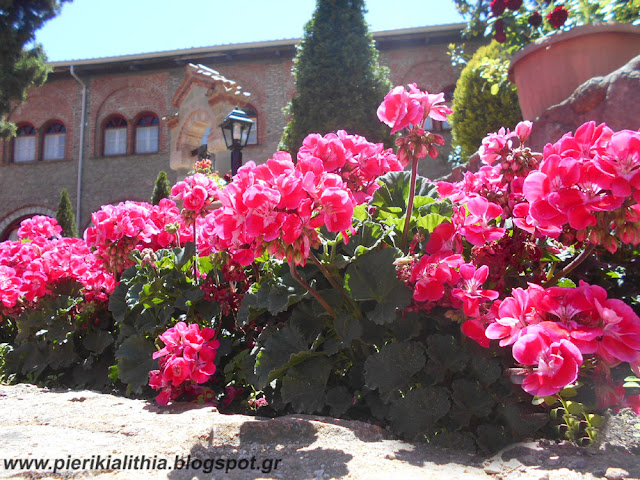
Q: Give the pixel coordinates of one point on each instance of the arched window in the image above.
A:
(147, 133)
(115, 136)
(253, 134)
(24, 145)
(54, 141)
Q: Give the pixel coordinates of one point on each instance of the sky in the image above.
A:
(87, 29)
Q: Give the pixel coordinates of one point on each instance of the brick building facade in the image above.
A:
(104, 128)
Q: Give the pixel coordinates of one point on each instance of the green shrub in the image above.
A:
(65, 216)
(484, 100)
(161, 188)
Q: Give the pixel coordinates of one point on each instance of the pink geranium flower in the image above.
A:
(556, 359)
(399, 110)
(186, 359)
(470, 291)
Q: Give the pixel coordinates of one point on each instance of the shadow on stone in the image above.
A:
(263, 448)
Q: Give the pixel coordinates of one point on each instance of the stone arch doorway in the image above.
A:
(9, 225)
(203, 100)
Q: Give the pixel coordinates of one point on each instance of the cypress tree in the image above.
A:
(65, 216)
(339, 82)
(161, 188)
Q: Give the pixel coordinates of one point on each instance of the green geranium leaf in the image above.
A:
(419, 410)
(394, 190)
(305, 321)
(132, 298)
(392, 367)
(445, 351)
(97, 341)
(276, 352)
(522, 422)
(339, 400)
(31, 358)
(472, 398)
(485, 370)
(419, 201)
(117, 303)
(279, 295)
(373, 277)
(183, 255)
(304, 385)
(63, 355)
(360, 212)
(431, 221)
(348, 328)
(566, 282)
(250, 309)
(369, 236)
(407, 326)
(187, 297)
(135, 362)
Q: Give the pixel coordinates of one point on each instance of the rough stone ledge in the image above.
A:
(37, 423)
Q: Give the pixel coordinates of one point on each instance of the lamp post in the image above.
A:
(235, 129)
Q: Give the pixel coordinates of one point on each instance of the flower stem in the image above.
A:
(334, 283)
(307, 287)
(569, 268)
(412, 193)
(195, 256)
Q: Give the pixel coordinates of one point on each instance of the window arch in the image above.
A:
(24, 145)
(253, 115)
(115, 136)
(146, 134)
(54, 141)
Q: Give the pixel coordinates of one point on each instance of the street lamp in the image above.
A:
(235, 129)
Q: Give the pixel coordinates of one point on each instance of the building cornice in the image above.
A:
(385, 40)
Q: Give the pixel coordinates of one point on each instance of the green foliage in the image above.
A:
(65, 216)
(151, 296)
(339, 82)
(416, 372)
(161, 188)
(484, 100)
(21, 66)
(64, 339)
(160, 290)
(575, 421)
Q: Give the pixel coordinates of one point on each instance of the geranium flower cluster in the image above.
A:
(403, 108)
(228, 294)
(39, 226)
(277, 207)
(32, 267)
(583, 188)
(357, 161)
(186, 360)
(119, 229)
(552, 330)
(197, 192)
(589, 182)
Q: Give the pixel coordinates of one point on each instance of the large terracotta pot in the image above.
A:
(547, 71)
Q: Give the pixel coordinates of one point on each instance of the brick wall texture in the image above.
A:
(34, 187)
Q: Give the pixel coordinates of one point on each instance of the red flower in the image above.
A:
(497, 7)
(513, 4)
(558, 16)
(499, 34)
(535, 19)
